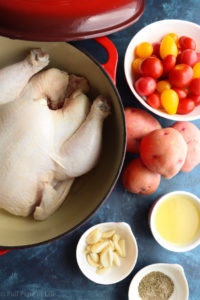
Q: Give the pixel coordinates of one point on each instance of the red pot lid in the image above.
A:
(66, 20)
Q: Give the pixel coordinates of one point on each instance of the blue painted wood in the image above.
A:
(51, 271)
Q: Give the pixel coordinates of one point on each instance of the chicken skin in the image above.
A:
(50, 133)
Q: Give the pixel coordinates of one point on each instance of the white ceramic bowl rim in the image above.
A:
(158, 238)
(153, 33)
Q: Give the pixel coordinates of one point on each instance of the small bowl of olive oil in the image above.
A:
(175, 221)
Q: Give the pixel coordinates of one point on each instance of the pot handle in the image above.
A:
(3, 251)
(111, 65)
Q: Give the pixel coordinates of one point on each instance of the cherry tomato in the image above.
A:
(144, 50)
(135, 64)
(163, 85)
(178, 58)
(151, 66)
(198, 56)
(145, 86)
(168, 63)
(196, 70)
(154, 100)
(168, 46)
(195, 98)
(170, 73)
(174, 36)
(156, 49)
(194, 87)
(186, 42)
(181, 75)
(180, 92)
(188, 57)
(185, 106)
(170, 101)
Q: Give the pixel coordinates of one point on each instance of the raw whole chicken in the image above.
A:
(42, 150)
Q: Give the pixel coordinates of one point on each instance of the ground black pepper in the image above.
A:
(156, 286)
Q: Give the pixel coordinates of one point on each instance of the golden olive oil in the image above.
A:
(177, 219)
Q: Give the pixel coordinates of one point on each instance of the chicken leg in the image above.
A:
(14, 78)
(70, 117)
(79, 154)
(52, 198)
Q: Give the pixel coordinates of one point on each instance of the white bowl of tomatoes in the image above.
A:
(162, 69)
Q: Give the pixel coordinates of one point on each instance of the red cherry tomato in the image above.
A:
(168, 63)
(185, 106)
(195, 98)
(151, 66)
(186, 42)
(156, 49)
(181, 75)
(154, 100)
(145, 86)
(188, 57)
(178, 58)
(194, 87)
(198, 57)
(181, 93)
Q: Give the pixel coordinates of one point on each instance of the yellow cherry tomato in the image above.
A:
(196, 70)
(174, 36)
(170, 101)
(144, 50)
(168, 46)
(136, 64)
(163, 85)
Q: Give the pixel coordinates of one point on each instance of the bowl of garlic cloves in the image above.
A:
(107, 252)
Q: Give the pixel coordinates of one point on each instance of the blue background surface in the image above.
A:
(50, 271)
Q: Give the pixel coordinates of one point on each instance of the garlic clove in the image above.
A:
(117, 248)
(106, 251)
(116, 259)
(115, 237)
(104, 258)
(87, 250)
(93, 237)
(98, 247)
(111, 244)
(91, 262)
(110, 256)
(95, 257)
(108, 234)
(121, 244)
(102, 270)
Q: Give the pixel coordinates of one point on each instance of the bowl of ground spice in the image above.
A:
(159, 281)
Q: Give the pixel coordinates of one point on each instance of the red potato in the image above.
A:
(164, 151)
(138, 124)
(138, 179)
(191, 135)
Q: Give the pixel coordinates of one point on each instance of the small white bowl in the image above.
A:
(116, 273)
(174, 271)
(154, 33)
(167, 245)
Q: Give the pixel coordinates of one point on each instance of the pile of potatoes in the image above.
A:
(162, 151)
